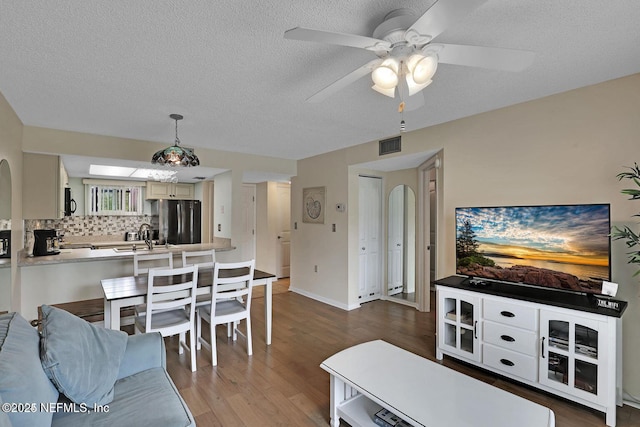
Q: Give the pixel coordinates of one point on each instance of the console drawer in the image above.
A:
(512, 363)
(507, 313)
(514, 339)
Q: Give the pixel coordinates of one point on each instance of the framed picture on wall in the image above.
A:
(313, 205)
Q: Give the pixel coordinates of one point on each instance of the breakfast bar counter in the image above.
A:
(75, 274)
(110, 254)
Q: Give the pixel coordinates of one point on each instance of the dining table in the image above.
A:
(127, 291)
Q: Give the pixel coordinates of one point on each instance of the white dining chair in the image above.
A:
(142, 262)
(170, 306)
(230, 303)
(204, 259)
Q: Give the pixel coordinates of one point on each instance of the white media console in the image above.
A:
(563, 343)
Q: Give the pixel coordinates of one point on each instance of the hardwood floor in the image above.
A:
(283, 385)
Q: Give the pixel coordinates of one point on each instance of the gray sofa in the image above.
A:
(74, 373)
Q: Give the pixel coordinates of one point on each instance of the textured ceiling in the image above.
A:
(121, 67)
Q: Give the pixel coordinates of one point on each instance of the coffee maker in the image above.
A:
(5, 243)
(45, 242)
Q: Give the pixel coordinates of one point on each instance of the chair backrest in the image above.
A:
(203, 259)
(150, 260)
(171, 288)
(232, 280)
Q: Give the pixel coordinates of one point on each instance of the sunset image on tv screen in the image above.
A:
(564, 247)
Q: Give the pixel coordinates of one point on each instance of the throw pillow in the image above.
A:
(81, 359)
(22, 379)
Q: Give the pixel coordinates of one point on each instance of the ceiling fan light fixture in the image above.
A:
(175, 155)
(422, 68)
(413, 87)
(391, 92)
(385, 75)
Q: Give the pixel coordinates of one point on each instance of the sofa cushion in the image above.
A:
(81, 359)
(22, 379)
(146, 399)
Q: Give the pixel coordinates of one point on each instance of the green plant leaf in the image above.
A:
(631, 238)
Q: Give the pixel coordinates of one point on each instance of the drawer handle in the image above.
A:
(507, 314)
(507, 362)
(507, 338)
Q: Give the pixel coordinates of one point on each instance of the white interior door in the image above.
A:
(248, 238)
(395, 242)
(283, 249)
(370, 238)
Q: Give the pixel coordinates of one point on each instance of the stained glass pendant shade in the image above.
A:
(176, 155)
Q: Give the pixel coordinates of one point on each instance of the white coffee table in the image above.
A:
(376, 374)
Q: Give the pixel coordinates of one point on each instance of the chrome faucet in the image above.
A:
(146, 236)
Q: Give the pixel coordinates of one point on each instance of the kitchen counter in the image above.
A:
(5, 262)
(86, 254)
(75, 274)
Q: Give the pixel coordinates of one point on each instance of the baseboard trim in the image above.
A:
(631, 403)
(323, 299)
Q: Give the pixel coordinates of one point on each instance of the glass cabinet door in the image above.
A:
(572, 358)
(459, 329)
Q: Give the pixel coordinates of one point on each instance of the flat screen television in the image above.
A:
(564, 247)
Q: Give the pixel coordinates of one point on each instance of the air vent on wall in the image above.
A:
(391, 145)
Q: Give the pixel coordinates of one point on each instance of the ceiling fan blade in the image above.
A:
(442, 15)
(341, 39)
(493, 58)
(344, 81)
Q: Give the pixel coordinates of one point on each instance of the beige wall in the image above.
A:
(316, 244)
(11, 150)
(565, 148)
(51, 141)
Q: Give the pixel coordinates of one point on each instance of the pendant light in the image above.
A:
(176, 155)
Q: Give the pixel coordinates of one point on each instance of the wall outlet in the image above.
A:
(219, 227)
(315, 268)
(333, 228)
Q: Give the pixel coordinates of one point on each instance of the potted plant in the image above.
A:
(631, 238)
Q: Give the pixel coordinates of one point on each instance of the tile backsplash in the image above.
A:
(104, 227)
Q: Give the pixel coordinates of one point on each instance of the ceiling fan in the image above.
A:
(406, 57)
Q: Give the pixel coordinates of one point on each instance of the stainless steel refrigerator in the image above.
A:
(178, 220)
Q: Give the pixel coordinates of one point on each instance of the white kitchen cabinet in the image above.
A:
(458, 324)
(571, 352)
(168, 190)
(43, 180)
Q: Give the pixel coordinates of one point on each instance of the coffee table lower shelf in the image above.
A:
(359, 411)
